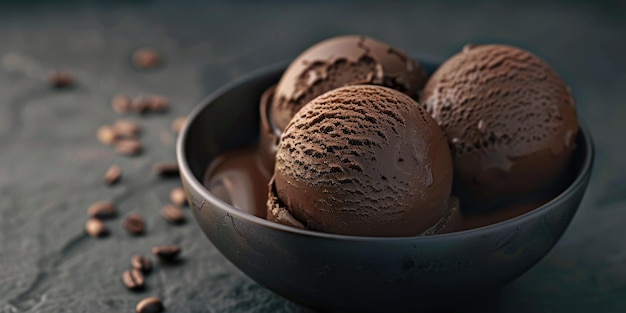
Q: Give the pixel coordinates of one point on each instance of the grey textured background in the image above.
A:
(51, 164)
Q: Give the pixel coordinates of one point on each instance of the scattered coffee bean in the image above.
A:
(151, 103)
(146, 58)
(133, 279)
(166, 253)
(106, 135)
(150, 305)
(177, 195)
(102, 210)
(128, 146)
(158, 103)
(121, 104)
(173, 214)
(134, 224)
(112, 175)
(59, 79)
(178, 124)
(126, 128)
(166, 169)
(96, 228)
(141, 105)
(141, 263)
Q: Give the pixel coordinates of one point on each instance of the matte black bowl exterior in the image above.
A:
(361, 274)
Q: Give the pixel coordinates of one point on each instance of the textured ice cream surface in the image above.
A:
(338, 62)
(362, 160)
(510, 120)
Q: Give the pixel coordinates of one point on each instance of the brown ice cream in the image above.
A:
(338, 62)
(363, 160)
(333, 63)
(510, 120)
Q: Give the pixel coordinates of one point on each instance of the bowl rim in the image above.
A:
(194, 183)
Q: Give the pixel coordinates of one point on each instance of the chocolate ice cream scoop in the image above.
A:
(362, 160)
(342, 61)
(510, 120)
(333, 63)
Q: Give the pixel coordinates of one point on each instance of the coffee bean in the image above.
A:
(178, 124)
(166, 169)
(96, 228)
(106, 135)
(150, 305)
(133, 279)
(158, 103)
(126, 128)
(112, 175)
(128, 146)
(146, 58)
(59, 79)
(173, 214)
(102, 210)
(141, 263)
(134, 224)
(141, 105)
(177, 195)
(121, 104)
(166, 253)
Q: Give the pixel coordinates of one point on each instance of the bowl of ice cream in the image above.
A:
(225, 175)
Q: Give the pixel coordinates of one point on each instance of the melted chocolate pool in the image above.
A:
(238, 177)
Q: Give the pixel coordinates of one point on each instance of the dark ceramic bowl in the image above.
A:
(361, 274)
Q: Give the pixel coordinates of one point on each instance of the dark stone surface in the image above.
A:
(51, 165)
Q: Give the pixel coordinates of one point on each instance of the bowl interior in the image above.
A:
(229, 119)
